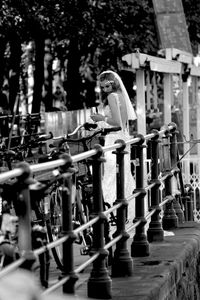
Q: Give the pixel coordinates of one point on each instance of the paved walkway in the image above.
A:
(152, 275)
(78, 260)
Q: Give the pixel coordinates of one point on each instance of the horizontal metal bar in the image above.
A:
(84, 155)
(133, 141)
(111, 209)
(47, 165)
(51, 245)
(86, 225)
(150, 186)
(113, 241)
(11, 174)
(150, 213)
(112, 147)
(149, 136)
(87, 263)
(5, 271)
(163, 202)
(56, 285)
(163, 178)
(133, 196)
(133, 226)
(75, 158)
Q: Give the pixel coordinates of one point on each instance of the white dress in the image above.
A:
(109, 172)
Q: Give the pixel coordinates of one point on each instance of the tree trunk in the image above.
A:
(73, 76)
(2, 59)
(48, 76)
(38, 73)
(14, 70)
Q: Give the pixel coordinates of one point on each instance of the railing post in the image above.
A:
(67, 228)
(122, 261)
(155, 231)
(23, 211)
(188, 200)
(190, 205)
(140, 245)
(176, 170)
(170, 219)
(99, 283)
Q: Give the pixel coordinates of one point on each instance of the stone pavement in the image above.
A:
(78, 260)
(153, 276)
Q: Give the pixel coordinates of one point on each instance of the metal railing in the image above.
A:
(172, 199)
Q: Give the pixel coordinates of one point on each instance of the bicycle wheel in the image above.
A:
(53, 223)
(39, 239)
(82, 215)
(9, 245)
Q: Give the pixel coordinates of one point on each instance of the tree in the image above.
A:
(86, 36)
(192, 11)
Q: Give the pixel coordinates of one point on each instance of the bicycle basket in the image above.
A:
(75, 147)
(95, 140)
(82, 169)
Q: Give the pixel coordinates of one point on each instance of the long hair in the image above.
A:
(112, 79)
(117, 85)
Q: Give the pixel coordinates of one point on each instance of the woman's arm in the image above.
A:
(115, 118)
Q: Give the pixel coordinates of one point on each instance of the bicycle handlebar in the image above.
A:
(86, 126)
(34, 142)
(111, 129)
(7, 154)
(45, 137)
(104, 131)
(89, 126)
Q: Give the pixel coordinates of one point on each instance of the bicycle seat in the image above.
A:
(57, 142)
(37, 186)
(8, 154)
(43, 158)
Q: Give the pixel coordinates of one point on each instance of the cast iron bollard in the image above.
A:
(140, 245)
(173, 154)
(190, 204)
(23, 206)
(170, 219)
(99, 283)
(122, 261)
(188, 200)
(155, 231)
(67, 228)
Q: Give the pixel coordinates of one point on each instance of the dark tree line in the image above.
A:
(85, 36)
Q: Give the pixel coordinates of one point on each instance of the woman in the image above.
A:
(118, 110)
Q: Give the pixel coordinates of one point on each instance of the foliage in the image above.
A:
(104, 30)
(192, 10)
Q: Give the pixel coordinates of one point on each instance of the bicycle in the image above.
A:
(82, 187)
(10, 211)
(29, 149)
(46, 196)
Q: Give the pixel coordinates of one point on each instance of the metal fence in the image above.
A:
(159, 188)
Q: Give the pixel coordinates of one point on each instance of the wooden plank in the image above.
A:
(165, 6)
(171, 25)
(173, 31)
(194, 71)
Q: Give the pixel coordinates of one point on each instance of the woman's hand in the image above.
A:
(97, 117)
